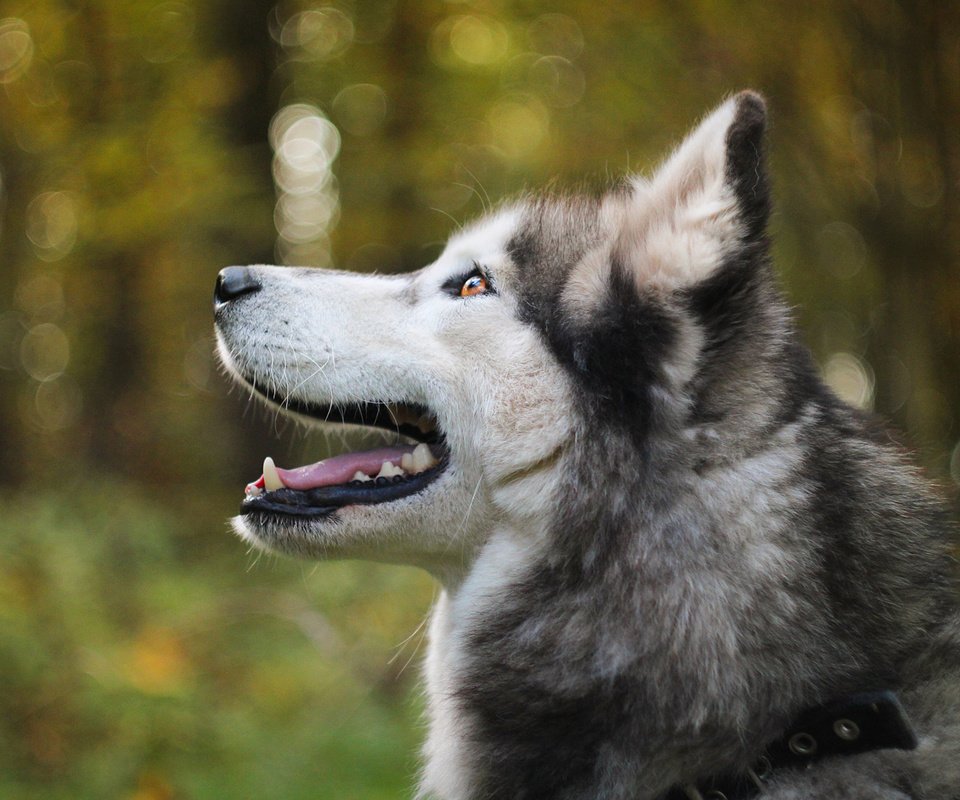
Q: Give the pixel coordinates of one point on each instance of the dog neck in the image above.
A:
(848, 726)
(451, 754)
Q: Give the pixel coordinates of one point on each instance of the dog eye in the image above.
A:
(474, 285)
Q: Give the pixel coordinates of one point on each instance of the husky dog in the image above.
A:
(662, 540)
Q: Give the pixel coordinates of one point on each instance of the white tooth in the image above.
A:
(253, 490)
(361, 476)
(388, 470)
(423, 459)
(271, 478)
(406, 462)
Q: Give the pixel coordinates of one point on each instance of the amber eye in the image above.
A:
(474, 285)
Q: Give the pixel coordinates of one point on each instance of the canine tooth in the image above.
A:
(388, 470)
(271, 478)
(361, 476)
(406, 462)
(422, 458)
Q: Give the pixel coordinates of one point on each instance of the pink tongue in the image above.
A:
(341, 469)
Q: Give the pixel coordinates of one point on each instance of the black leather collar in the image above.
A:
(856, 723)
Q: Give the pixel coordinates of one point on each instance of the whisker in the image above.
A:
(448, 215)
(485, 197)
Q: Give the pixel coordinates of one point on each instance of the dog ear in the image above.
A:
(707, 202)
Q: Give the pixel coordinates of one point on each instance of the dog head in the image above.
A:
(553, 321)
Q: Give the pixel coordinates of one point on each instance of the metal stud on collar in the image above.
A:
(856, 723)
(763, 768)
(802, 744)
(846, 729)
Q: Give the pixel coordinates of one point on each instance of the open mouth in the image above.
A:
(362, 478)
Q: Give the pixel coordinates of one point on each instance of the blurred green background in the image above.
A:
(144, 652)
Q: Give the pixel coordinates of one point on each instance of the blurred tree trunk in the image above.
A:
(407, 59)
(915, 227)
(241, 33)
(238, 32)
(115, 380)
(13, 200)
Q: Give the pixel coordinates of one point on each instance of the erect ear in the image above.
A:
(707, 202)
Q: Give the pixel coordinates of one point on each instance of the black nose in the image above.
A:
(234, 282)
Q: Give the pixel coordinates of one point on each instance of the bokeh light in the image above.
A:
(51, 224)
(469, 41)
(16, 49)
(478, 40)
(557, 80)
(556, 34)
(58, 403)
(40, 296)
(842, 249)
(45, 352)
(921, 177)
(851, 378)
(317, 33)
(519, 126)
(305, 145)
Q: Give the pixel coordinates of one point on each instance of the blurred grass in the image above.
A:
(132, 668)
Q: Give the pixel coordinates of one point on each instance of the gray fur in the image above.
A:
(728, 544)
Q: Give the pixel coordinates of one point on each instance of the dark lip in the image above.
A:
(325, 500)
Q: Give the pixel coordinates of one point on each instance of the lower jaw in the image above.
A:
(325, 501)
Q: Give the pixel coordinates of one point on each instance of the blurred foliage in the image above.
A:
(134, 668)
(143, 145)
